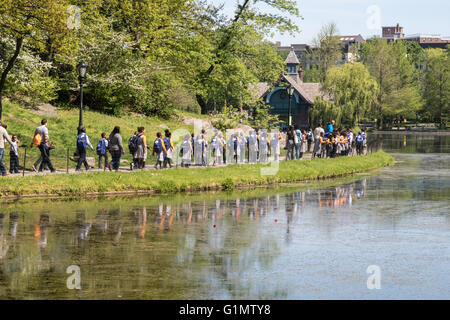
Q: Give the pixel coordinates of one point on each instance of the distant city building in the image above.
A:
(302, 51)
(425, 41)
(351, 46)
(429, 41)
(392, 33)
(305, 53)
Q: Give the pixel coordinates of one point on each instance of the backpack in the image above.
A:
(167, 143)
(37, 140)
(81, 140)
(101, 147)
(157, 146)
(133, 144)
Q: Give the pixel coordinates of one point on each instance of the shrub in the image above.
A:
(228, 184)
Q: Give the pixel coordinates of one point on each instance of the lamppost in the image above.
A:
(290, 91)
(81, 70)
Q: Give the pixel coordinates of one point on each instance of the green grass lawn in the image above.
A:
(63, 129)
(193, 179)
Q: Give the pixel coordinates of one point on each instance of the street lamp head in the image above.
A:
(290, 91)
(82, 70)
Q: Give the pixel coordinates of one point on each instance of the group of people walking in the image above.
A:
(198, 150)
(332, 142)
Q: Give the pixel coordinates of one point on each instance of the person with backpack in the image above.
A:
(310, 139)
(217, 149)
(200, 149)
(102, 147)
(3, 136)
(132, 146)
(82, 143)
(364, 143)
(39, 136)
(159, 148)
(169, 149)
(359, 143)
(141, 148)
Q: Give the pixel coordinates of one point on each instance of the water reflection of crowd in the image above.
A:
(112, 222)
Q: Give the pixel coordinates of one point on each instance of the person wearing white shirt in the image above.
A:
(3, 136)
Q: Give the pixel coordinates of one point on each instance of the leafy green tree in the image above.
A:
(229, 118)
(261, 117)
(33, 22)
(399, 93)
(354, 92)
(437, 85)
(247, 14)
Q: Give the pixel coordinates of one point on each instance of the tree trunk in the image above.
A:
(201, 101)
(19, 42)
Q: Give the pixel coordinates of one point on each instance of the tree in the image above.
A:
(399, 93)
(32, 22)
(261, 117)
(354, 92)
(437, 84)
(328, 51)
(246, 14)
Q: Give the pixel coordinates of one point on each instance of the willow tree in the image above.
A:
(354, 91)
(30, 22)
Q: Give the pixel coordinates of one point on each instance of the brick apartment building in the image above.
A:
(425, 41)
(392, 33)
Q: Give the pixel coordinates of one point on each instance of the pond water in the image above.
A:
(291, 242)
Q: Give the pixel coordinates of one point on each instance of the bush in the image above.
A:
(228, 184)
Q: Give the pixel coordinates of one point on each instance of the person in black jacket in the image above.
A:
(46, 147)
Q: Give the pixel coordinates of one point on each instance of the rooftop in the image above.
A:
(350, 38)
(292, 58)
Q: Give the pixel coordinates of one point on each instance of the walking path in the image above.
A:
(124, 169)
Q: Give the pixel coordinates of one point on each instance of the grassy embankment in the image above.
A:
(62, 130)
(194, 179)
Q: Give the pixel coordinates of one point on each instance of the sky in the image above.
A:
(363, 17)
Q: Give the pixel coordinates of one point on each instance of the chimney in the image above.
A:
(278, 44)
(300, 74)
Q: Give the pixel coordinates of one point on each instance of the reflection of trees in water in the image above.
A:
(414, 143)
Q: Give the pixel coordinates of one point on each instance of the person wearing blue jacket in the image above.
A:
(159, 148)
(82, 143)
(102, 147)
(330, 128)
